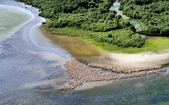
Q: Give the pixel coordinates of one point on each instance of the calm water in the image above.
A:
(11, 18)
(29, 76)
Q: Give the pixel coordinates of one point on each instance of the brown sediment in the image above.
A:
(81, 73)
(76, 46)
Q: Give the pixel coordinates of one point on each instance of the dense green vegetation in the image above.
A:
(153, 13)
(89, 15)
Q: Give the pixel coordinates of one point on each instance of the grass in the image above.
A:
(74, 45)
(152, 43)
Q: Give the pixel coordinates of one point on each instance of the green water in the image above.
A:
(136, 23)
(10, 21)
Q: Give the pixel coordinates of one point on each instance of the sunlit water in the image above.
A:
(30, 75)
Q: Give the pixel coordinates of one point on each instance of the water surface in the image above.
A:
(11, 18)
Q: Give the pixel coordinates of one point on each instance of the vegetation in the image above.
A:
(151, 44)
(153, 13)
(93, 16)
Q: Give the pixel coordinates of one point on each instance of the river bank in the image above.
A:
(130, 65)
(29, 61)
(76, 46)
(115, 62)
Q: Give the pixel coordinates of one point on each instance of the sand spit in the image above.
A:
(81, 73)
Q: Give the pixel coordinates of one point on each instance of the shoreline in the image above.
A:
(135, 65)
(72, 44)
(81, 73)
(129, 65)
(120, 63)
(28, 50)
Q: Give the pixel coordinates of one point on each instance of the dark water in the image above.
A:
(31, 71)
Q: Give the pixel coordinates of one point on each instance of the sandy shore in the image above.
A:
(146, 60)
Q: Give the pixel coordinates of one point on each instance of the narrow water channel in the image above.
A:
(31, 71)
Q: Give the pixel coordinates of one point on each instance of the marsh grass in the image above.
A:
(74, 45)
(151, 44)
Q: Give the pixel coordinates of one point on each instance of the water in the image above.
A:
(29, 76)
(10, 18)
(135, 22)
(115, 7)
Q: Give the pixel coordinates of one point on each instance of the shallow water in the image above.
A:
(136, 23)
(32, 71)
(10, 18)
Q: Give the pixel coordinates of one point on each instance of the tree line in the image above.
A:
(153, 13)
(91, 15)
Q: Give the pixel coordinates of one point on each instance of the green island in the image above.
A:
(96, 23)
